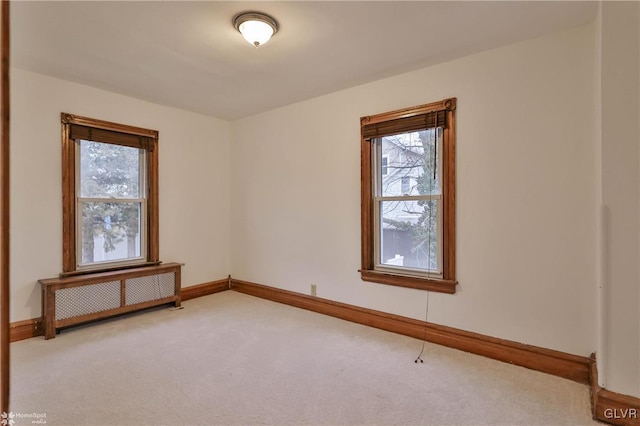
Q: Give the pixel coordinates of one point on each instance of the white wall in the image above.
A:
(526, 193)
(194, 153)
(544, 138)
(547, 132)
(619, 180)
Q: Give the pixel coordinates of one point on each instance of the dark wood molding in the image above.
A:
(68, 202)
(67, 118)
(26, 329)
(69, 220)
(366, 205)
(4, 207)
(572, 367)
(153, 207)
(71, 281)
(617, 409)
(443, 105)
(441, 286)
(449, 195)
(367, 200)
(110, 269)
(205, 289)
(593, 383)
(611, 407)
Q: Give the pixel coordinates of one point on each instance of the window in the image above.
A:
(406, 185)
(385, 165)
(110, 205)
(408, 197)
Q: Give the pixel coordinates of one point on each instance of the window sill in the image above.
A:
(112, 268)
(430, 284)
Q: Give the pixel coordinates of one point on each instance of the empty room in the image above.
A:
(320, 212)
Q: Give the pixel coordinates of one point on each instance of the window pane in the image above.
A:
(409, 162)
(409, 234)
(109, 171)
(383, 166)
(406, 185)
(110, 231)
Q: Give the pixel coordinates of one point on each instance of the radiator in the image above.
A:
(73, 300)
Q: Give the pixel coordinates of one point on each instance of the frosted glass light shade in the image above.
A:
(255, 27)
(256, 32)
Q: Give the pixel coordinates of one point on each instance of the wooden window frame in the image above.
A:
(395, 119)
(149, 142)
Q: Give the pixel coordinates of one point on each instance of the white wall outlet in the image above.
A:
(313, 289)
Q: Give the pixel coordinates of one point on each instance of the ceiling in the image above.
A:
(188, 55)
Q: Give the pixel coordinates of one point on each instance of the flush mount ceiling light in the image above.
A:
(257, 28)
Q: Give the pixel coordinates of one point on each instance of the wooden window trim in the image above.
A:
(148, 137)
(447, 284)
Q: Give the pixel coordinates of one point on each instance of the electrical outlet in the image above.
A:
(313, 289)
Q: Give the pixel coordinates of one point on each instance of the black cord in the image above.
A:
(424, 340)
(435, 152)
(435, 165)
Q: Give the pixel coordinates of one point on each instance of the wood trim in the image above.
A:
(611, 407)
(4, 209)
(617, 409)
(153, 225)
(572, 367)
(68, 202)
(51, 285)
(594, 388)
(205, 289)
(26, 329)
(107, 125)
(449, 198)
(98, 277)
(441, 286)
(443, 105)
(366, 204)
(110, 269)
(448, 282)
(69, 212)
(123, 292)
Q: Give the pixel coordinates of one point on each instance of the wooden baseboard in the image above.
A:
(573, 367)
(611, 407)
(593, 383)
(26, 329)
(205, 289)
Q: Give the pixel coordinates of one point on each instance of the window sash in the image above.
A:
(143, 175)
(384, 165)
(100, 264)
(379, 166)
(405, 185)
(80, 201)
(407, 270)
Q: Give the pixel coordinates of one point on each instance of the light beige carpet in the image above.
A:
(229, 358)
